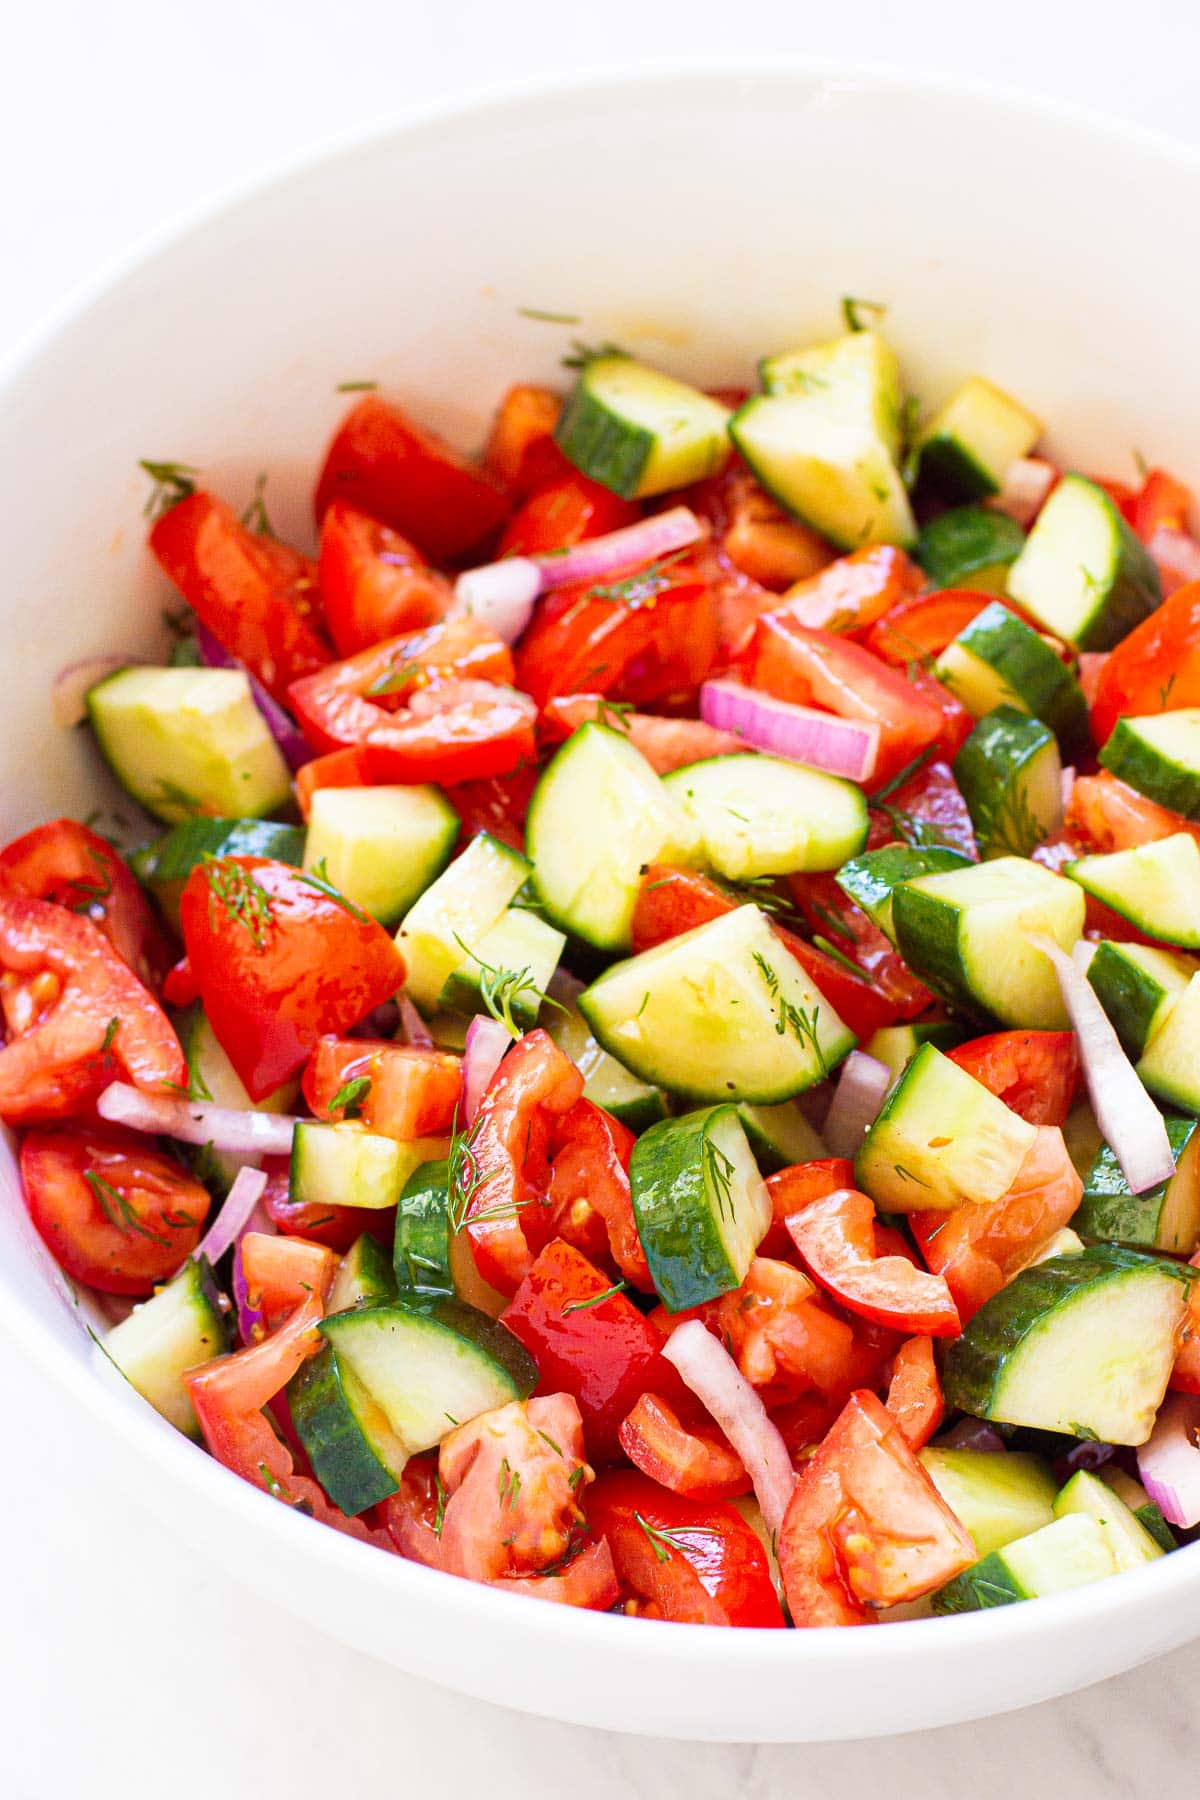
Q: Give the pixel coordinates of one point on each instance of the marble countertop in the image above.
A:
(127, 1666)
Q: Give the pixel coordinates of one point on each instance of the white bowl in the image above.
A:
(702, 220)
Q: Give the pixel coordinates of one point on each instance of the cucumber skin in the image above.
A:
(1126, 996)
(1135, 593)
(421, 1256)
(341, 1455)
(1151, 1520)
(975, 1361)
(687, 1259)
(1046, 686)
(871, 879)
(960, 542)
(927, 938)
(1141, 767)
(1110, 1214)
(165, 865)
(986, 768)
(987, 1583)
(453, 1315)
(368, 1282)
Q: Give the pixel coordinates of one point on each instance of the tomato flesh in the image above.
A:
(374, 583)
(689, 1455)
(65, 862)
(836, 1240)
(1033, 1072)
(1156, 668)
(412, 1092)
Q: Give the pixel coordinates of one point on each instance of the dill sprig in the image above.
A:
(465, 1180)
(583, 354)
(718, 1171)
(92, 893)
(356, 387)
(318, 878)
(118, 1211)
(255, 515)
(575, 1306)
(439, 1515)
(173, 482)
(510, 1483)
(500, 989)
(350, 1097)
(665, 1539)
(1008, 822)
(851, 308)
(802, 1024)
(245, 900)
(541, 317)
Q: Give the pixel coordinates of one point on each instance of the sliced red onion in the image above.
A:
(287, 734)
(862, 1085)
(619, 552)
(501, 594)
(1068, 786)
(821, 740)
(1178, 557)
(249, 1318)
(1025, 489)
(487, 1044)
(198, 1122)
(70, 688)
(415, 1030)
(971, 1434)
(1125, 1113)
(718, 1383)
(1169, 1460)
(237, 1209)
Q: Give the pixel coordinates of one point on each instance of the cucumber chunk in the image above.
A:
(965, 934)
(780, 1136)
(1170, 1065)
(211, 1076)
(896, 1045)
(1165, 1217)
(998, 660)
(355, 1454)
(598, 815)
(721, 1013)
(1068, 1553)
(606, 1082)
(183, 1324)
(825, 438)
(871, 880)
(188, 741)
(941, 1138)
(1009, 772)
(1082, 572)
(346, 1165)
(1155, 886)
(1160, 757)
(1135, 1497)
(969, 547)
(701, 1206)
(165, 865)
(1080, 1344)
(758, 815)
(998, 1495)
(640, 432)
(429, 1256)
(381, 846)
(459, 907)
(966, 449)
(1137, 986)
(518, 943)
(1129, 1543)
(364, 1277)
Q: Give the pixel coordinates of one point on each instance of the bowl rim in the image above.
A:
(176, 1457)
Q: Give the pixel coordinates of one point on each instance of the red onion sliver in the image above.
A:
(715, 1379)
(235, 1214)
(501, 594)
(487, 1044)
(619, 552)
(1169, 1460)
(291, 740)
(415, 1030)
(862, 1084)
(249, 1318)
(1025, 489)
(971, 1434)
(801, 734)
(1125, 1113)
(70, 687)
(197, 1122)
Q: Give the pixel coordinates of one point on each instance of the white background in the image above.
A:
(126, 1666)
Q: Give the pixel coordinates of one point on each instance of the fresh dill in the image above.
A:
(118, 1211)
(510, 1483)
(92, 894)
(663, 1540)
(542, 317)
(838, 956)
(317, 878)
(173, 482)
(851, 309)
(395, 679)
(195, 1088)
(718, 1171)
(832, 921)
(615, 714)
(501, 989)
(802, 1024)
(439, 1514)
(110, 1032)
(350, 1096)
(255, 515)
(575, 1306)
(356, 387)
(583, 354)
(546, 1438)
(1008, 822)
(246, 901)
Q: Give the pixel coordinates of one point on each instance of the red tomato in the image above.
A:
(957, 722)
(281, 1272)
(566, 513)
(413, 1092)
(1161, 501)
(924, 624)
(1156, 668)
(521, 452)
(504, 1176)
(688, 1455)
(600, 1350)
(927, 808)
(374, 584)
(179, 985)
(336, 1226)
(792, 1189)
(914, 1396)
(279, 963)
(979, 1247)
(380, 461)
(1033, 1072)
(865, 1527)
(895, 991)
(76, 1015)
(497, 804)
(753, 535)
(1185, 1376)
(665, 743)
(339, 769)
(836, 1240)
(692, 1562)
(456, 721)
(856, 590)
(257, 597)
(68, 864)
(114, 1213)
(1109, 815)
(589, 1195)
(782, 1334)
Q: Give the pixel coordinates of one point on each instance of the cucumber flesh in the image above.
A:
(1155, 886)
(182, 1325)
(758, 815)
(701, 1206)
(346, 1165)
(896, 1045)
(364, 1277)
(1069, 1553)
(998, 660)
(355, 1454)
(1082, 572)
(456, 909)
(381, 846)
(639, 431)
(1170, 1065)
(1010, 774)
(968, 446)
(606, 1082)
(870, 880)
(998, 1495)
(519, 943)
(780, 1136)
(212, 1076)
(1129, 1543)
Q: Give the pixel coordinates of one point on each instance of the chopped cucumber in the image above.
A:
(364, 1277)
(1165, 1217)
(780, 1135)
(211, 1076)
(701, 1206)
(1155, 886)
(1082, 572)
(941, 1138)
(1137, 986)
(641, 432)
(1009, 772)
(519, 944)
(969, 547)
(1160, 757)
(458, 908)
(355, 1454)
(381, 846)
(870, 880)
(1083, 1137)
(967, 447)
(1068, 1553)
(757, 815)
(429, 1256)
(346, 1165)
(825, 438)
(723, 1012)
(896, 1045)
(598, 815)
(1140, 1505)
(183, 1324)
(606, 1082)
(1170, 1065)
(998, 1495)
(165, 865)
(188, 741)
(1064, 1243)
(1080, 1344)
(965, 934)
(998, 660)
(1128, 1540)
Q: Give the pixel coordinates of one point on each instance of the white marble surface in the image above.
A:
(127, 1667)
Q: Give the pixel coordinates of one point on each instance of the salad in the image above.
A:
(644, 1045)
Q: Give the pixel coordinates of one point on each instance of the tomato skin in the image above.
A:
(710, 1570)
(496, 803)
(280, 967)
(1109, 815)
(414, 1091)
(865, 1527)
(338, 769)
(589, 1190)
(409, 479)
(923, 624)
(660, 642)
(337, 1227)
(120, 1245)
(835, 1237)
(1156, 668)
(374, 583)
(1033, 1072)
(63, 986)
(665, 743)
(258, 598)
(755, 542)
(914, 1396)
(521, 452)
(930, 802)
(895, 991)
(563, 514)
(281, 1272)
(856, 590)
(794, 1188)
(1160, 503)
(689, 1455)
(64, 862)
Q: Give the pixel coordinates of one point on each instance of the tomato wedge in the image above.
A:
(70, 865)
(692, 1562)
(665, 743)
(1033, 1072)
(754, 537)
(566, 512)
(923, 624)
(914, 1396)
(497, 803)
(281, 1272)
(896, 992)
(1162, 502)
(856, 590)
(925, 808)
(866, 1527)
(687, 1454)
(589, 1197)
(836, 1240)
(521, 452)
(338, 769)
(1156, 668)
(409, 1092)
(792, 1189)
(374, 583)
(1109, 815)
